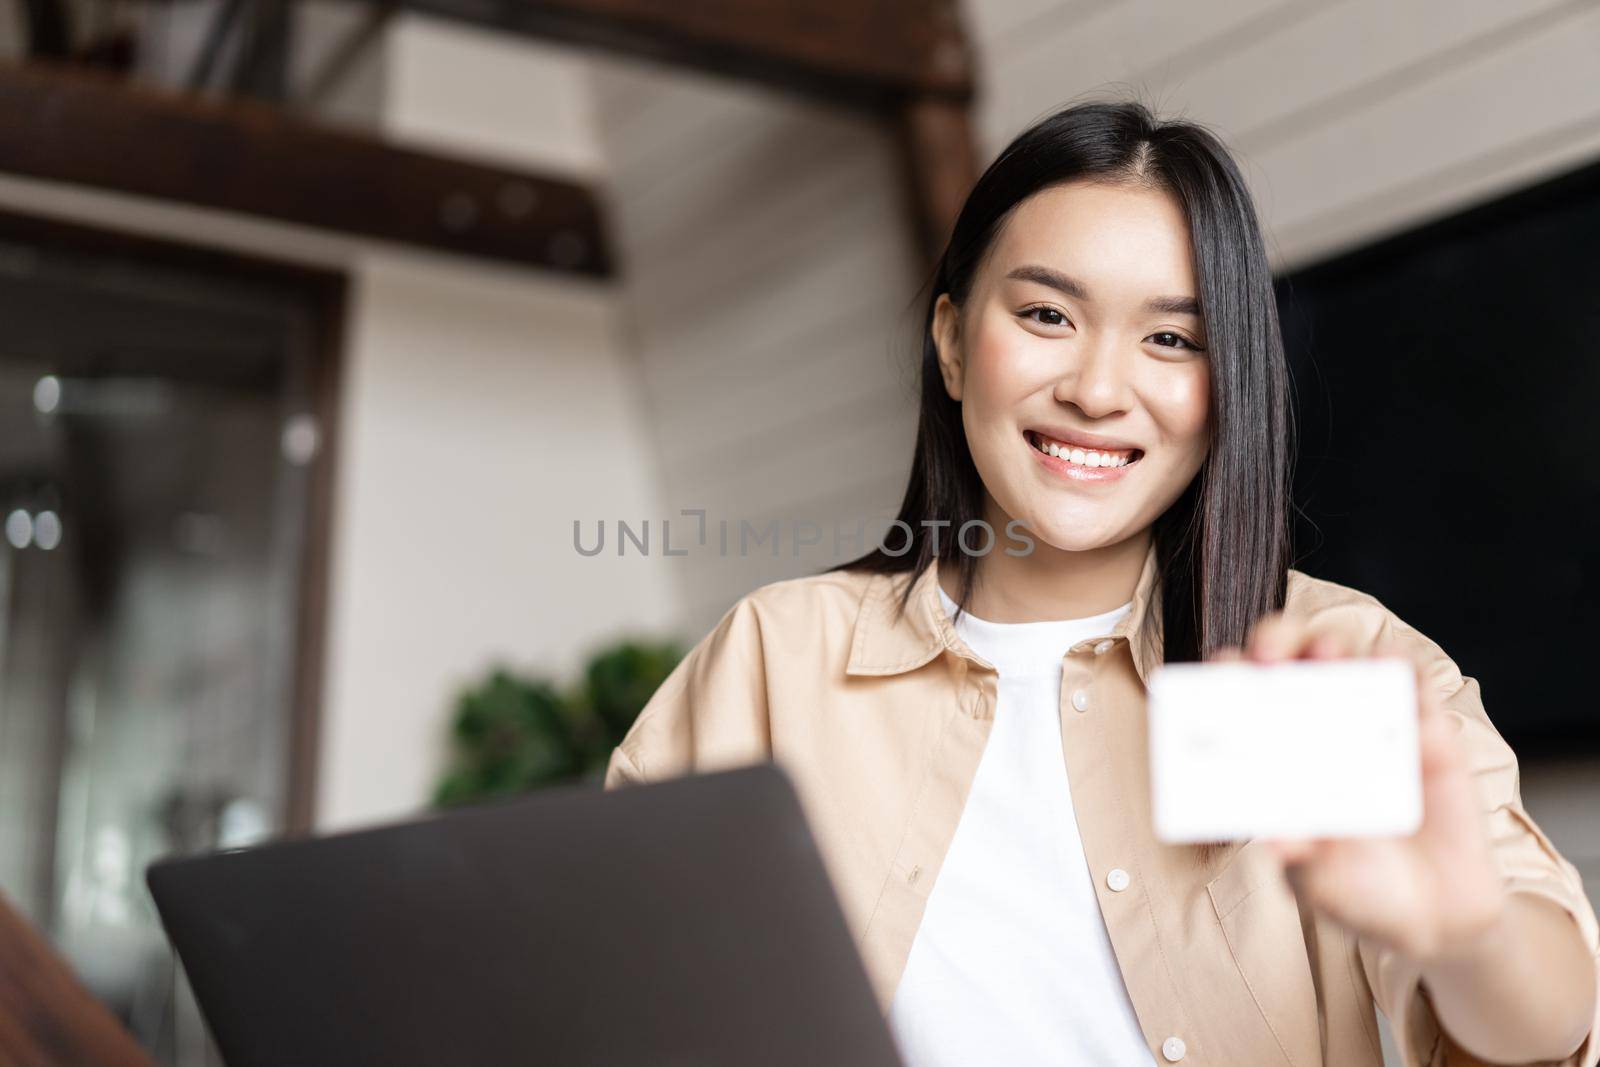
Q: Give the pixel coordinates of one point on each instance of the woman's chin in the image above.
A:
(1071, 535)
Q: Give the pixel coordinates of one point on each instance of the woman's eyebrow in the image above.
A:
(1172, 305)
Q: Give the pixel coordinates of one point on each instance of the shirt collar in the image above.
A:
(886, 643)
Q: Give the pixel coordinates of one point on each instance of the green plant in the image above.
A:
(513, 733)
(620, 680)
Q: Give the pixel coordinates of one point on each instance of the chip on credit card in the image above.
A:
(1298, 748)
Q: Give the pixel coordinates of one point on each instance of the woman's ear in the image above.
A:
(946, 332)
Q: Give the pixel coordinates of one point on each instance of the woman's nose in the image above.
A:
(1095, 379)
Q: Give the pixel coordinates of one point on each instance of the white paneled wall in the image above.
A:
(768, 272)
(1354, 118)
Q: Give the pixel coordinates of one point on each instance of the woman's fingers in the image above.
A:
(1276, 637)
(1325, 646)
(1291, 850)
(1436, 730)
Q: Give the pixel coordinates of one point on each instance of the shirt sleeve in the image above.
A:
(1526, 858)
(709, 714)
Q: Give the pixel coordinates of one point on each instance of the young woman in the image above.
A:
(962, 711)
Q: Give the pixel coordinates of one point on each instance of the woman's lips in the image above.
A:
(1066, 469)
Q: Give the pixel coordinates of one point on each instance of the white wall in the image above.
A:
(482, 415)
(485, 410)
(768, 269)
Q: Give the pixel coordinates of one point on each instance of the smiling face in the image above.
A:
(1078, 359)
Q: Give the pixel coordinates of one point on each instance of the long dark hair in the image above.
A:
(1223, 547)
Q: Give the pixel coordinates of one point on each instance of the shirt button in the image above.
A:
(1103, 647)
(1173, 1049)
(1117, 879)
(1080, 700)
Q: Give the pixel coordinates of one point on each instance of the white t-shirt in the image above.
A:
(1011, 963)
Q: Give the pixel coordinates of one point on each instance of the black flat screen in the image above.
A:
(1448, 399)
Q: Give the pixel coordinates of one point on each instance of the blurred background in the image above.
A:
(381, 378)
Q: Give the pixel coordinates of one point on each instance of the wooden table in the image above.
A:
(47, 1017)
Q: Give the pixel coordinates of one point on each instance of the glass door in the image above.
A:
(162, 468)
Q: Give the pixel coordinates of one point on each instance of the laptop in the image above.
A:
(686, 922)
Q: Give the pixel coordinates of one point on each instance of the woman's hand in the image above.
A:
(1509, 979)
(1435, 896)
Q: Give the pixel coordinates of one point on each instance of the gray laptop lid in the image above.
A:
(689, 922)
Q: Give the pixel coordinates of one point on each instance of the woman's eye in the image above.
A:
(1048, 316)
(1175, 340)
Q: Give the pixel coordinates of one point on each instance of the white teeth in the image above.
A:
(1082, 457)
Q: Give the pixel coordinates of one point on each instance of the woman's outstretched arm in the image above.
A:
(1474, 931)
(1522, 991)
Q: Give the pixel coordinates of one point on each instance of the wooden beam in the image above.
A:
(857, 51)
(80, 128)
(908, 60)
(940, 161)
(47, 1018)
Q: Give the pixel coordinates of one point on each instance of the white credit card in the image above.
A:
(1301, 748)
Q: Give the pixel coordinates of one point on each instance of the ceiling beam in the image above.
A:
(907, 60)
(81, 128)
(854, 51)
(938, 153)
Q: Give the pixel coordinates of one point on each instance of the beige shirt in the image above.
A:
(880, 723)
